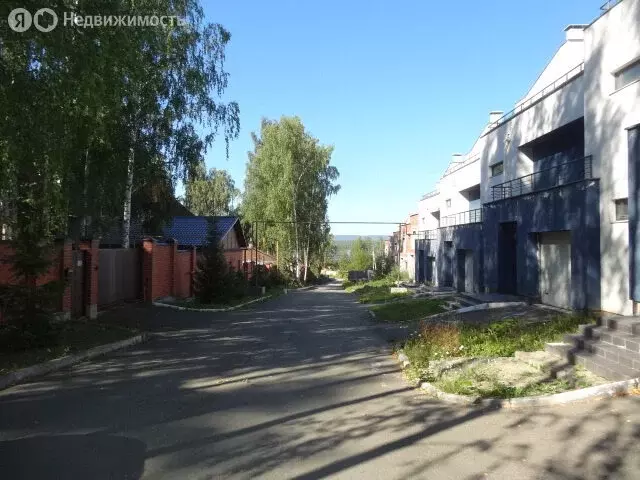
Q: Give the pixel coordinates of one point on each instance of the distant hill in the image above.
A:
(351, 238)
(343, 243)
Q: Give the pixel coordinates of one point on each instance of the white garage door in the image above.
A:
(555, 268)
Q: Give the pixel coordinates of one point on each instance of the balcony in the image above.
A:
(462, 218)
(563, 174)
(427, 235)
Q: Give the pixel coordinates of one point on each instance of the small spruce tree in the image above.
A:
(212, 276)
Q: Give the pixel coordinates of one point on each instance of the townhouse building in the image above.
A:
(546, 205)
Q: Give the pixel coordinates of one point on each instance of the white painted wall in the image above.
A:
(570, 54)
(611, 42)
(426, 207)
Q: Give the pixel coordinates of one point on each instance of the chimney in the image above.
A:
(575, 33)
(495, 116)
(456, 158)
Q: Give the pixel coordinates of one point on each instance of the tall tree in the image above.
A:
(287, 187)
(209, 194)
(86, 114)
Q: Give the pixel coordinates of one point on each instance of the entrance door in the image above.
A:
(431, 261)
(448, 264)
(555, 268)
(507, 264)
(461, 259)
(468, 271)
(421, 266)
(78, 284)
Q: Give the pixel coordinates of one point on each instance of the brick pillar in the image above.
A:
(192, 271)
(147, 270)
(174, 267)
(66, 266)
(92, 256)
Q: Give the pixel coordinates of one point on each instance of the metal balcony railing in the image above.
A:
(562, 174)
(546, 91)
(462, 218)
(427, 235)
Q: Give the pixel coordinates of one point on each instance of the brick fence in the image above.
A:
(167, 270)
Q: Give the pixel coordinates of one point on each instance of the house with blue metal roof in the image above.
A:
(193, 231)
(187, 231)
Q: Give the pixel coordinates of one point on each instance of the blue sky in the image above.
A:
(395, 86)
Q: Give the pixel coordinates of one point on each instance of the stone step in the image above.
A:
(630, 325)
(613, 337)
(620, 355)
(563, 350)
(604, 367)
(468, 299)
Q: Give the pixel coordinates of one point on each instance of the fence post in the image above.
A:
(66, 262)
(192, 272)
(174, 266)
(92, 266)
(147, 270)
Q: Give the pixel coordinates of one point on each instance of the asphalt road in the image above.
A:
(297, 387)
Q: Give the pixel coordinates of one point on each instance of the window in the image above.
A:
(448, 202)
(497, 169)
(622, 209)
(628, 74)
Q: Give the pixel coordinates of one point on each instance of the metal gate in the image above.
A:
(119, 275)
(78, 284)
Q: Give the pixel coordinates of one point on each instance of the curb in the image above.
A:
(475, 308)
(228, 309)
(590, 393)
(49, 366)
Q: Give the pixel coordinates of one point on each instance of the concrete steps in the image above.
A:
(610, 348)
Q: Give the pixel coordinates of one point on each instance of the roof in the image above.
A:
(192, 231)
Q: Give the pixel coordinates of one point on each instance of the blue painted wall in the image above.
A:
(572, 207)
(462, 237)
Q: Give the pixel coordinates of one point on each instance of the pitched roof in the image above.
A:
(192, 231)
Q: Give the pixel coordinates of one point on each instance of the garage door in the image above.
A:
(555, 268)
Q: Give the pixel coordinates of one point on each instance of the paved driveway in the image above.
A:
(298, 387)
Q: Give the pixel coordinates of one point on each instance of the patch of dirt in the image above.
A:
(523, 375)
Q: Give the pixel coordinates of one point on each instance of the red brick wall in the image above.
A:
(162, 271)
(166, 271)
(183, 274)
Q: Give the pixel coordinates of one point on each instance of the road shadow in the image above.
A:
(92, 456)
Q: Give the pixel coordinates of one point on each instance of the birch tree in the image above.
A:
(287, 188)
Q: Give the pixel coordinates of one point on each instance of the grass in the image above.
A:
(67, 338)
(408, 310)
(374, 291)
(475, 382)
(438, 341)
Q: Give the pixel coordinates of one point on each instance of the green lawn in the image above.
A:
(409, 310)
(67, 338)
(374, 291)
